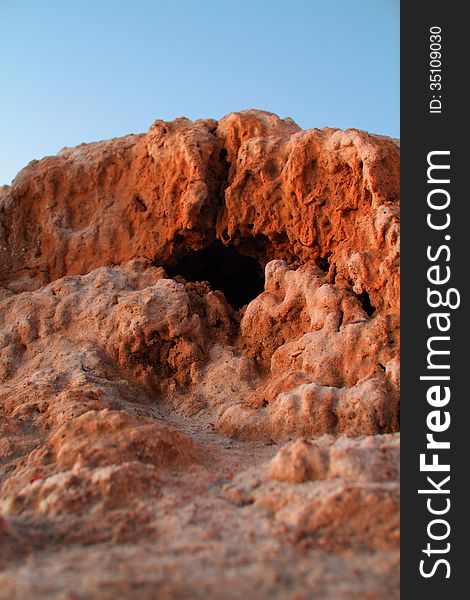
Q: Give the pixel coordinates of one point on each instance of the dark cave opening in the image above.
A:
(239, 277)
(367, 305)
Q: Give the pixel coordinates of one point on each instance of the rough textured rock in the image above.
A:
(199, 337)
(353, 500)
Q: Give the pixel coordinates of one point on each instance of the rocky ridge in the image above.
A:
(199, 337)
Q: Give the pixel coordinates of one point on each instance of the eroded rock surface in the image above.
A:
(199, 337)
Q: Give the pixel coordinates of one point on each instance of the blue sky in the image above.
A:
(76, 72)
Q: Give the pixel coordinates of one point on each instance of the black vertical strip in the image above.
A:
(423, 132)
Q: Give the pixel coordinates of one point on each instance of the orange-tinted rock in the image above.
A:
(366, 459)
(345, 492)
(140, 410)
(270, 189)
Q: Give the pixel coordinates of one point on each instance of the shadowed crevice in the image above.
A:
(239, 277)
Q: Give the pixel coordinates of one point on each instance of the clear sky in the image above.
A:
(86, 70)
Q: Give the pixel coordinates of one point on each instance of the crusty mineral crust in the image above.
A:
(252, 179)
(145, 423)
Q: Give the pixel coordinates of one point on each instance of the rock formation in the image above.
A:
(199, 338)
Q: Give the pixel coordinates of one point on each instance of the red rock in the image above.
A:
(123, 365)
